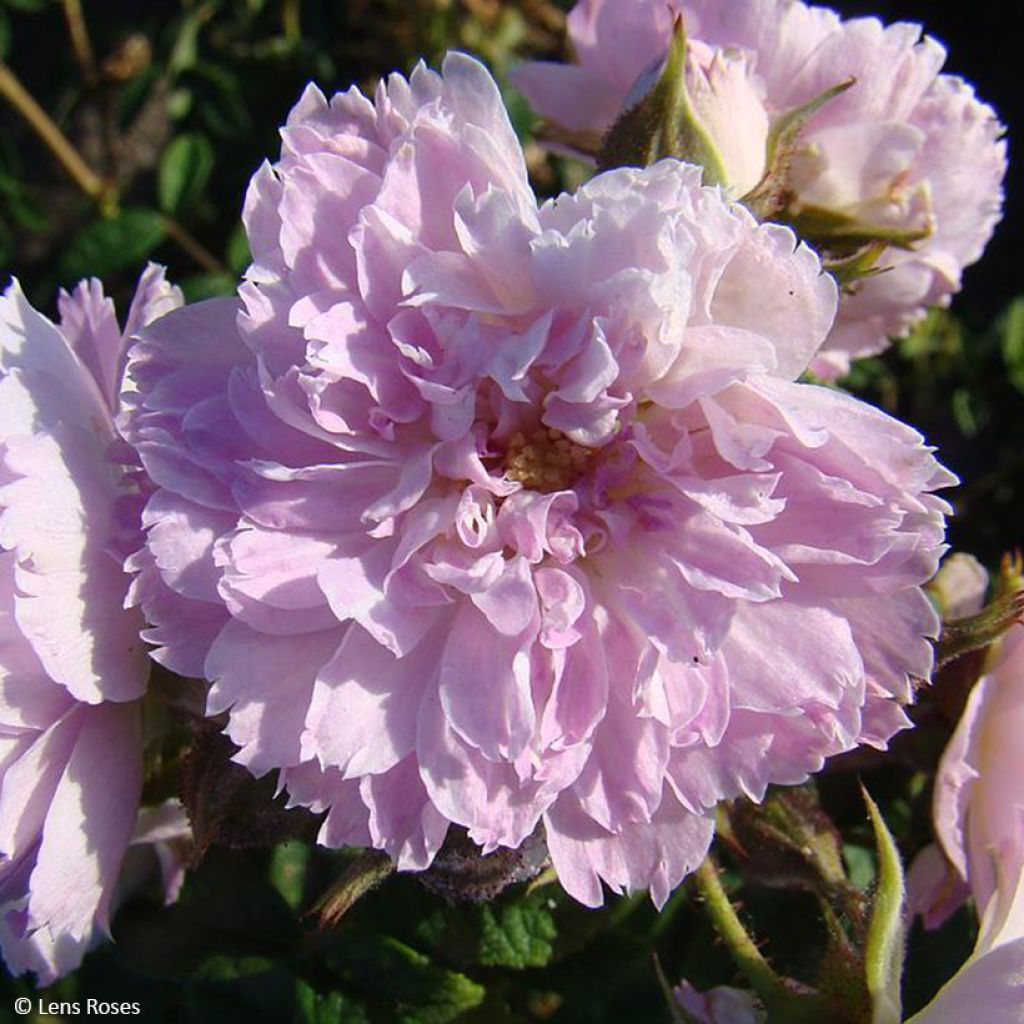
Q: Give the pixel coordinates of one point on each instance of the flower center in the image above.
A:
(546, 460)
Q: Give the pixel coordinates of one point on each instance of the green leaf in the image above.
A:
(884, 949)
(111, 244)
(860, 866)
(28, 6)
(1012, 330)
(185, 168)
(179, 104)
(5, 35)
(229, 924)
(22, 207)
(237, 255)
(327, 1007)
(134, 94)
(518, 934)
(222, 967)
(388, 973)
(27, 212)
(207, 286)
(264, 998)
(288, 871)
(186, 46)
(964, 412)
(220, 99)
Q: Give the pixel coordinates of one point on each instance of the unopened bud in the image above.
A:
(698, 105)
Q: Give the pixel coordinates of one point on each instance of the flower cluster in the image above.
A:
(483, 513)
(884, 161)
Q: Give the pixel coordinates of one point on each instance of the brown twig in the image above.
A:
(87, 180)
(80, 41)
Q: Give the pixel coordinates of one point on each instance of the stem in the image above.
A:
(80, 40)
(291, 21)
(86, 179)
(193, 247)
(765, 982)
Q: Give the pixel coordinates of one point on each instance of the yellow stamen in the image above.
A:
(547, 461)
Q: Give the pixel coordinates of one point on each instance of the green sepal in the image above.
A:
(663, 124)
(840, 233)
(787, 841)
(841, 983)
(862, 264)
(886, 934)
(366, 871)
(771, 194)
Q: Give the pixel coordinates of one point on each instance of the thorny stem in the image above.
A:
(765, 982)
(80, 40)
(86, 179)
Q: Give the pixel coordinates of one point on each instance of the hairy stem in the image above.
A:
(765, 982)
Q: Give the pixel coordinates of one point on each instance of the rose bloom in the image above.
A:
(989, 987)
(72, 666)
(979, 819)
(906, 150)
(979, 789)
(486, 513)
(935, 886)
